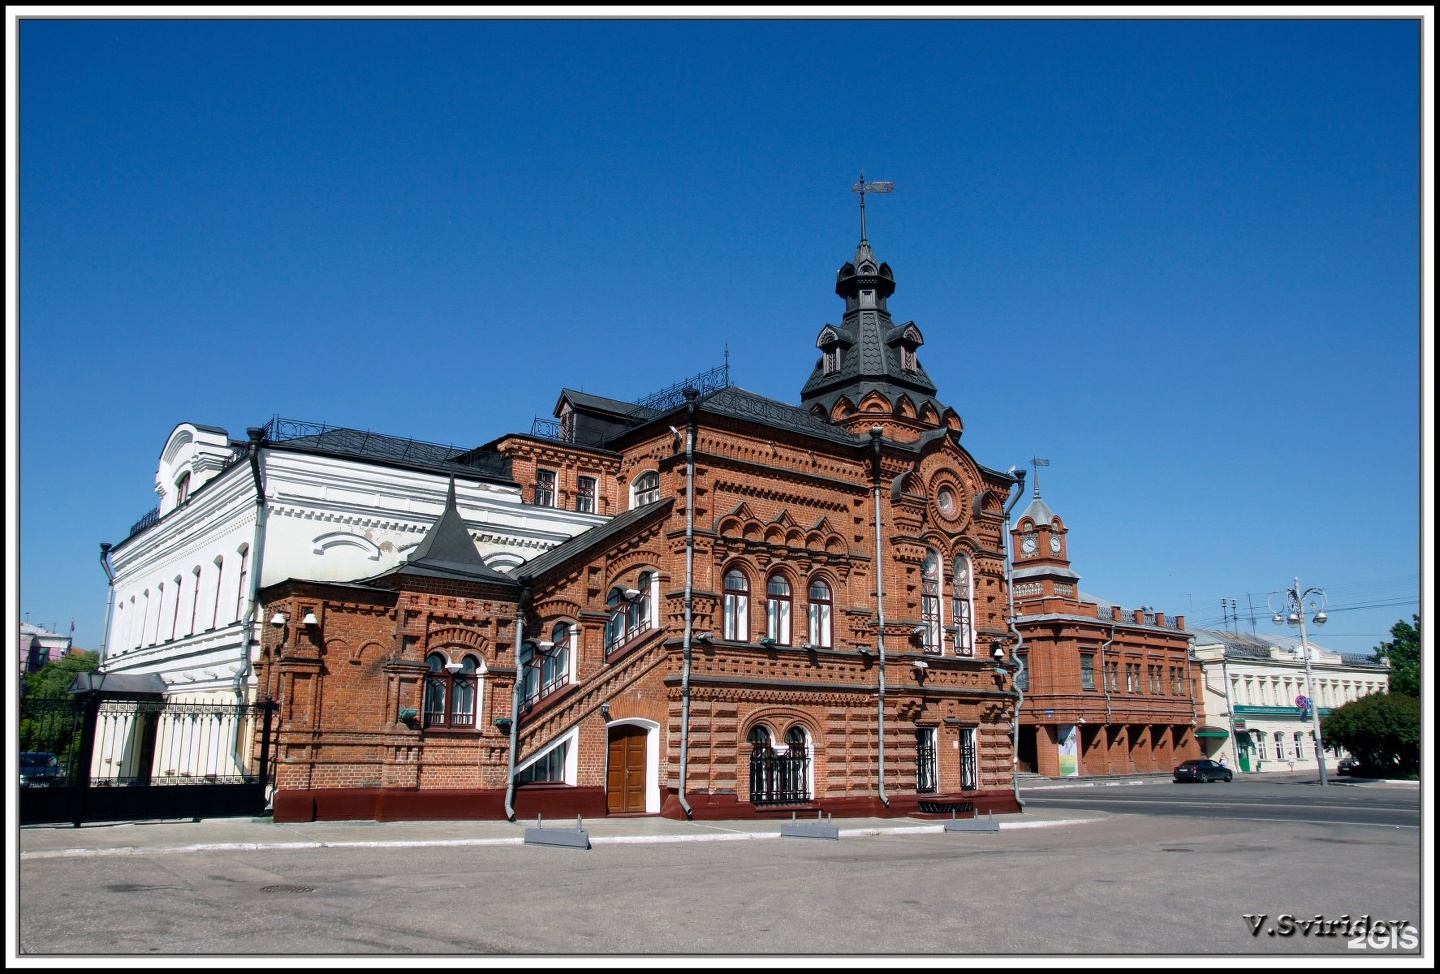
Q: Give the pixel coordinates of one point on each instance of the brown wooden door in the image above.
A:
(625, 775)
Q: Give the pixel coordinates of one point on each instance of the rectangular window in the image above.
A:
(1022, 678)
(926, 781)
(1132, 677)
(545, 488)
(1112, 675)
(1299, 746)
(585, 495)
(969, 762)
(1087, 671)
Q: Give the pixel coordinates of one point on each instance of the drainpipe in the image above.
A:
(105, 547)
(1019, 639)
(1229, 705)
(257, 564)
(691, 395)
(875, 433)
(521, 607)
(1105, 683)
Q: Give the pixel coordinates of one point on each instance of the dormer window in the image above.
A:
(182, 489)
(907, 358)
(832, 359)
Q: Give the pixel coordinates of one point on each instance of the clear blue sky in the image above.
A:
(1180, 259)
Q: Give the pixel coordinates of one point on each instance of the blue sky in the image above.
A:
(1179, 259)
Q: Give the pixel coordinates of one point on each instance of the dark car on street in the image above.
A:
(1203, 770)
(1348, 766)
(39, 769)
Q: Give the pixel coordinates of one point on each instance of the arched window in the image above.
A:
(242, 598)
(962, 597)
(777, 609)
(182, 489)
(930, 602)
(629, 615)
(450, 691)
(637, 616)
(546, 670)
(645, 489)
(821, 604)
(736, 607)
(219, 575)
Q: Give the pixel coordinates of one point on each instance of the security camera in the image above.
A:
(675, 432)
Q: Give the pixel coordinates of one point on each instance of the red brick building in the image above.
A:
(1107, 690)
(795, 608)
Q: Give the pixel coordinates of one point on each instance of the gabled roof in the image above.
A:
(592, 539)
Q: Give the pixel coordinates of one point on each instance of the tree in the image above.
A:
(1381, 730)
(1403, 653)
(49, 716)
(52, 681)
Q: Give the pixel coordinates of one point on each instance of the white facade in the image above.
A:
(1251, 685)
(184, 583)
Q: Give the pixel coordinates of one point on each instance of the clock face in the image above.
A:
(1054, 545)
(1028, 544)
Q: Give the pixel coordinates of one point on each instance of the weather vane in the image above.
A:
(862, 187)
(1037, 463)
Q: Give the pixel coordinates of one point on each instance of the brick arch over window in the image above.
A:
(470, 639)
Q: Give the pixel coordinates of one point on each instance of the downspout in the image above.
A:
(257, 564)
(691, 395)
(1019, 639)
(521, 607)
(1229, 705)
(105, 547)
(875, 434)
(1105, 683)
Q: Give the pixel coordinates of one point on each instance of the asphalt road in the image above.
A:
(1159, 885)
(1245, 800)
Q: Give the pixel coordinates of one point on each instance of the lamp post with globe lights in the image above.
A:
(1290, 607)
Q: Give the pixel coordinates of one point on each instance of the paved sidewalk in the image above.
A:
(187, 835)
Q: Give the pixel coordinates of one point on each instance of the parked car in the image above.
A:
(39, 769)
(1348, 766)
(1202, 769)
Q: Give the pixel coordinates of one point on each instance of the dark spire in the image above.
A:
(868, 352)
(447, 549)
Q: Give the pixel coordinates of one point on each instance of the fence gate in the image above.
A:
(94, 758)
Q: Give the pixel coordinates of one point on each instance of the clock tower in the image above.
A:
(1042, 563)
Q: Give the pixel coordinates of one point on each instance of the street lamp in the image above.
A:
(1290, 607)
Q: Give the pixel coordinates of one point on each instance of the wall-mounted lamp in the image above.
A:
(605, 712)
(810, 647)
(1080, 721)
(918, 631)
(503, 724)
(278, 620)
(863, 650)
(767, 641)
(311, 619)
(409, 714)
(997, 651)
(453, 667)
(632, 594)
(545, 645)
(705, 637)
(920, 664)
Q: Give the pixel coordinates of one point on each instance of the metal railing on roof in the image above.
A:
(380, 446)
(709, 381)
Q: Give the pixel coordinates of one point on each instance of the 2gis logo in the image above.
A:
(1380, 935)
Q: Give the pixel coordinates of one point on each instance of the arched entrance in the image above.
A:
(625, 768)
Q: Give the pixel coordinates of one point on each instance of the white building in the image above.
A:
(1251, 688)
(298, 501)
